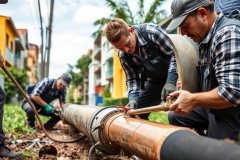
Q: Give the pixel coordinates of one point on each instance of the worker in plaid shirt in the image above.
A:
(216, 108)
(148, 60)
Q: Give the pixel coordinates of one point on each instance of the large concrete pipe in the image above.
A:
(186, 53)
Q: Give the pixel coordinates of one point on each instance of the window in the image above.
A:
(7, 40)
(11, 46)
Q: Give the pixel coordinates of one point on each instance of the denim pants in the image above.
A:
(2, 99)
(31, 115)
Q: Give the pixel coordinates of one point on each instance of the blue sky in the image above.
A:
(72, 26)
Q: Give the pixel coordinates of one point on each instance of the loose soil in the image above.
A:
(65, 151)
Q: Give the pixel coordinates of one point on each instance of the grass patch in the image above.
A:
(160, 117)
(13, 119)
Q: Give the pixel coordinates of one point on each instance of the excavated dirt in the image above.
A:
(65, 151)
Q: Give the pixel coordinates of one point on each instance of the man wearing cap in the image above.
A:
(43, 94)
(216, 107)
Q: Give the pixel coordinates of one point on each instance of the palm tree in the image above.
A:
(121, 9)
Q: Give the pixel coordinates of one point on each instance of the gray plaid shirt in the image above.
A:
(42, 86)
(225, 51)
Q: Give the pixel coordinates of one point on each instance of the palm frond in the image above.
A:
(153, 10)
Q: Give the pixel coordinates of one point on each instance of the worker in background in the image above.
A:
(46, 91)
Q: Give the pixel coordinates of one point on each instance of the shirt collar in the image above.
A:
(213, 29)
(140, 38)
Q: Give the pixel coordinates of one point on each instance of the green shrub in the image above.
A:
(159, 117)
(106, 93)
(79, 100)
(9, 87)
(13, 119)
(115, 101)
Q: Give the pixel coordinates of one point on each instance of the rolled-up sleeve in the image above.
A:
(226, 47)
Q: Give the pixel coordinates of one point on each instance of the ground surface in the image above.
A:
(66, 151)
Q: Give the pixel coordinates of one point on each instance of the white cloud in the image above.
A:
(89, 13)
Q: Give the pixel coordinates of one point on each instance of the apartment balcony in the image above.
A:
(9, 56)
(97, 53)
(109, 74)
(25, 64)
(97, 68)
(98, 82)
(17, 62)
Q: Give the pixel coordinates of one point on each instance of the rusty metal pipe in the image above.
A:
(138, 137)
(114, 132)
(162, 107)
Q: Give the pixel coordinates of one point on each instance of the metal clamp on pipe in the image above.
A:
(162, 107)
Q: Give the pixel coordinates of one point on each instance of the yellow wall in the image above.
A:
(31, 63)
(119, 85)
(7, 28)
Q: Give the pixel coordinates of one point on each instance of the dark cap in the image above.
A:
(3, 1)
(66, 79)
(181, 8)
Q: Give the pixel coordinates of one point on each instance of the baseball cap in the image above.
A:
(3, 1)
(66, 79)
(181, 8)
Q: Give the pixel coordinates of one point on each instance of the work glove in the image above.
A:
(48, 108)
(167, 89)
(132, 104)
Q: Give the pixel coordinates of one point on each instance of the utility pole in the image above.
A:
(42, 60)
(49, 37)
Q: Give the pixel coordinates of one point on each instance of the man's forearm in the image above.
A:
(210, 99)
(38, 100)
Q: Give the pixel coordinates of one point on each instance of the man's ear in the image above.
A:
(203, 13)
(131, 29)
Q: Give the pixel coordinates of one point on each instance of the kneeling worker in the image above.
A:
(44, 93)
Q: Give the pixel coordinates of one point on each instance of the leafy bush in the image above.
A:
(106, 93)
(13, 119)
(79, 100)
(115, 101)
(159, 117)
(9, 87)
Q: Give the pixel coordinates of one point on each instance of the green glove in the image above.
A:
(48, 108)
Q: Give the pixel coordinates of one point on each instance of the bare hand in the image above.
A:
(183, 105)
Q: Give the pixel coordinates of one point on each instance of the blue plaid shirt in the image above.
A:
(160, 39)
(44, 84)
(225, 51)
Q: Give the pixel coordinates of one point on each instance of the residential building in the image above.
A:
(95, 72)
(20, 58)
(8, 34)
(32, 61)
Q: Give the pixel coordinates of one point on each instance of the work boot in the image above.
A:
(6, 152)
(28, 124)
